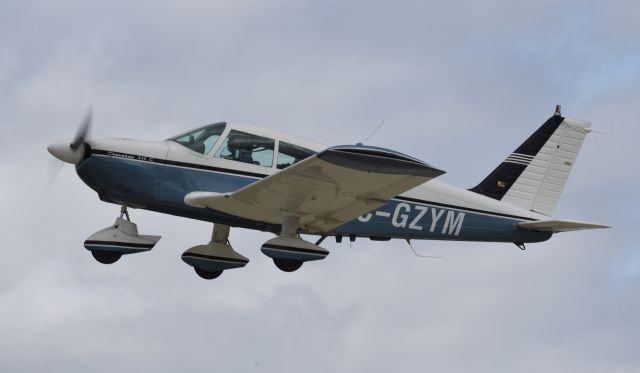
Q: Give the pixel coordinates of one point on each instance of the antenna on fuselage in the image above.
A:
(420, 255)
(374, 131)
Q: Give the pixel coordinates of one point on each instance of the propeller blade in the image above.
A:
(55, 166)
(83, 131)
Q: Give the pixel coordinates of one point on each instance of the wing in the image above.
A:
(556, 226)
(324, 191)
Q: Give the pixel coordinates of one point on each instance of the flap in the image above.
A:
(556, 226)
(324, 191)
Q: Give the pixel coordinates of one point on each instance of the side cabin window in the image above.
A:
(202, 139)
(247, 148)
(289, 154)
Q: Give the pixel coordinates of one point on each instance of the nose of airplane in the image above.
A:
(64, 151)
(72, 151)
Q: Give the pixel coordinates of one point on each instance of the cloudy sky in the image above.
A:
(459, 84)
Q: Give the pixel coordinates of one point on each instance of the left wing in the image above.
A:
(324, 191)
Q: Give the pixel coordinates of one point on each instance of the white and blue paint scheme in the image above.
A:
(236, 175)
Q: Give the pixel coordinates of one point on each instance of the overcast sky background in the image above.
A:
(460, 84)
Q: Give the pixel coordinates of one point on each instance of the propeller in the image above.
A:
(70, 151)
(55, 166)
(83, 131)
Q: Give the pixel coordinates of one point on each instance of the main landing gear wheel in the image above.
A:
(106, 257)
(206, 274)
(287, 265)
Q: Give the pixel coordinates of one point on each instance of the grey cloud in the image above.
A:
(471, 79)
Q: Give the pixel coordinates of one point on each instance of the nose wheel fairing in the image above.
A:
(107, 245)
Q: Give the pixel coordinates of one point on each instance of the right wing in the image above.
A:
(324, 191)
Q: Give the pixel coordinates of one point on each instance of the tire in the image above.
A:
(288, 265)
(206, 274)
(106, 257)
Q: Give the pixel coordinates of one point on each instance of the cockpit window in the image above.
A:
(202, 139)
(289, 154)
(247, 148)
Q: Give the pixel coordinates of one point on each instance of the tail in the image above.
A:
(535, 174)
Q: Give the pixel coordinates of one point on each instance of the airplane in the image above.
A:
(239, 175)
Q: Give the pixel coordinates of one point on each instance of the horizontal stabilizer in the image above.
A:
(556, 226)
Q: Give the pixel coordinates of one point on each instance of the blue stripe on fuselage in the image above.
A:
(162, 187)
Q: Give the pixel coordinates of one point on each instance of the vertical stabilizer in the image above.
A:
(534, 175)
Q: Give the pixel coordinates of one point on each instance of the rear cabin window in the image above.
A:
(289, 154)
(202, 139)
(247, 148)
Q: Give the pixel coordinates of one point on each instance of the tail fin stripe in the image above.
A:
(523, 156)
(517, 162)
(527, 161)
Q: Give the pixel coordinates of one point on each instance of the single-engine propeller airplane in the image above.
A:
(235, 175)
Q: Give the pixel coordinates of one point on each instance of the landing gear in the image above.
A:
(108, 245)
(210, 260)
(106, 257)
(287, 265)
(288, 250)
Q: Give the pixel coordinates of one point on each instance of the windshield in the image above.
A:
(202, 139)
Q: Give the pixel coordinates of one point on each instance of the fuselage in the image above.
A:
(156, 176)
